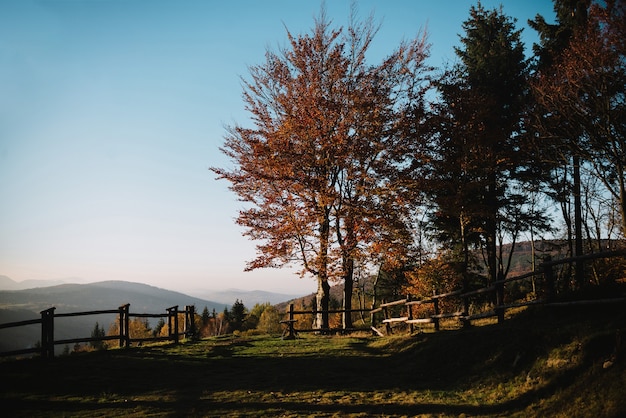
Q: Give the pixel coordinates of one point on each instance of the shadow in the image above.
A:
(160, 381)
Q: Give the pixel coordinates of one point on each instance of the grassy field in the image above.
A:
(542, 362)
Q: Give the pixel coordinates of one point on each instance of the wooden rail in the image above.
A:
(290, 322)
(545, 271)
(47, 342)
(495, 290)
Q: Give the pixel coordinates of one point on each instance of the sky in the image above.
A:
(113, 111)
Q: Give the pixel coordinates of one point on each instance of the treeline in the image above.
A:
(418, 176)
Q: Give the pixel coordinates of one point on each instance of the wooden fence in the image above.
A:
(47, 343)
(291, 328)
(495, 292)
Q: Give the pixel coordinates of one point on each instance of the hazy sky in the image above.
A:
(112, 112)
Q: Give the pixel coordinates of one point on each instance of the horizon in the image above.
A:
(114, 112)
(42, 283)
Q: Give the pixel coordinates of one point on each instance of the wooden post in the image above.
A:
(387, 324)
(466, 301)
(436, 318)
(409, 313)
(120, 321)
(500, 299)
(548, 276)
(124, 320)
(127, 324)
(291, 332)
(172, 323)
(190, 326)
(47, 333)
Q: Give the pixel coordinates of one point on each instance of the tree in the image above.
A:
(158, 327)
(206, 316)
(481, 163)
(253, 317)
(139, 328)
(237, 315)
(97, 332)
(319, 168)
(556, 137)
(269, 321)
(583, 94)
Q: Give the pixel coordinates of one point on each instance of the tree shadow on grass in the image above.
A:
(156, 381)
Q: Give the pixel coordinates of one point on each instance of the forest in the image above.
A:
(429, 177)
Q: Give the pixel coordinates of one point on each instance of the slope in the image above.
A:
(27, 304)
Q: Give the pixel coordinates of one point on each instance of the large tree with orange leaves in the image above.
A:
(320, 169)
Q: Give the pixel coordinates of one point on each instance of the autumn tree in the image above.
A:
(480, 166)
(318, 168)
(137, 328)
(269, 321)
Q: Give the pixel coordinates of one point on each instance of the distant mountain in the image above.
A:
(101, 295)
(19, 305)
(248, 297)
(7, 283)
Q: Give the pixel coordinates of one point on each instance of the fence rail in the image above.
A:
(545, 272)
(47, 342)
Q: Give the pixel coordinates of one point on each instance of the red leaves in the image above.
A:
(327, 131)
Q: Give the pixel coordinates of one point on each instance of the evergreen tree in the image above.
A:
(206, 316)
(97, 332)
(480, 164)
(237, 315)
(158, 327)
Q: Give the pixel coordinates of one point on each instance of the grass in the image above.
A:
(542, 362)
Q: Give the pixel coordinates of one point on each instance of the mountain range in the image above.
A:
(24, 304)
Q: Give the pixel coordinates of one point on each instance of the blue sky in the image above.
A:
(112, 112)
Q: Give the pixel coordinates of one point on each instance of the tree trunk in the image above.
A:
(323, 288)
(323, 299)
(578, 224)
(348, 285)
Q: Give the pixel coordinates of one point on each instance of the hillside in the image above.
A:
(248, 297)
(27, 304)
(6, 283)
(543, 362)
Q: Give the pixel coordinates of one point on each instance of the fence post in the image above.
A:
(548, 276)
(409, 313)
(500, 299)
(47, 333)
(172, 328)
(121, 325)
(190, 326)
(386, 316)
(291, 332)
(436, 318)
(124, 325)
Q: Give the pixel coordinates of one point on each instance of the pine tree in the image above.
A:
(158, 327)
(480, 165)
(97, 332)
(237, 315)
(206, 317)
